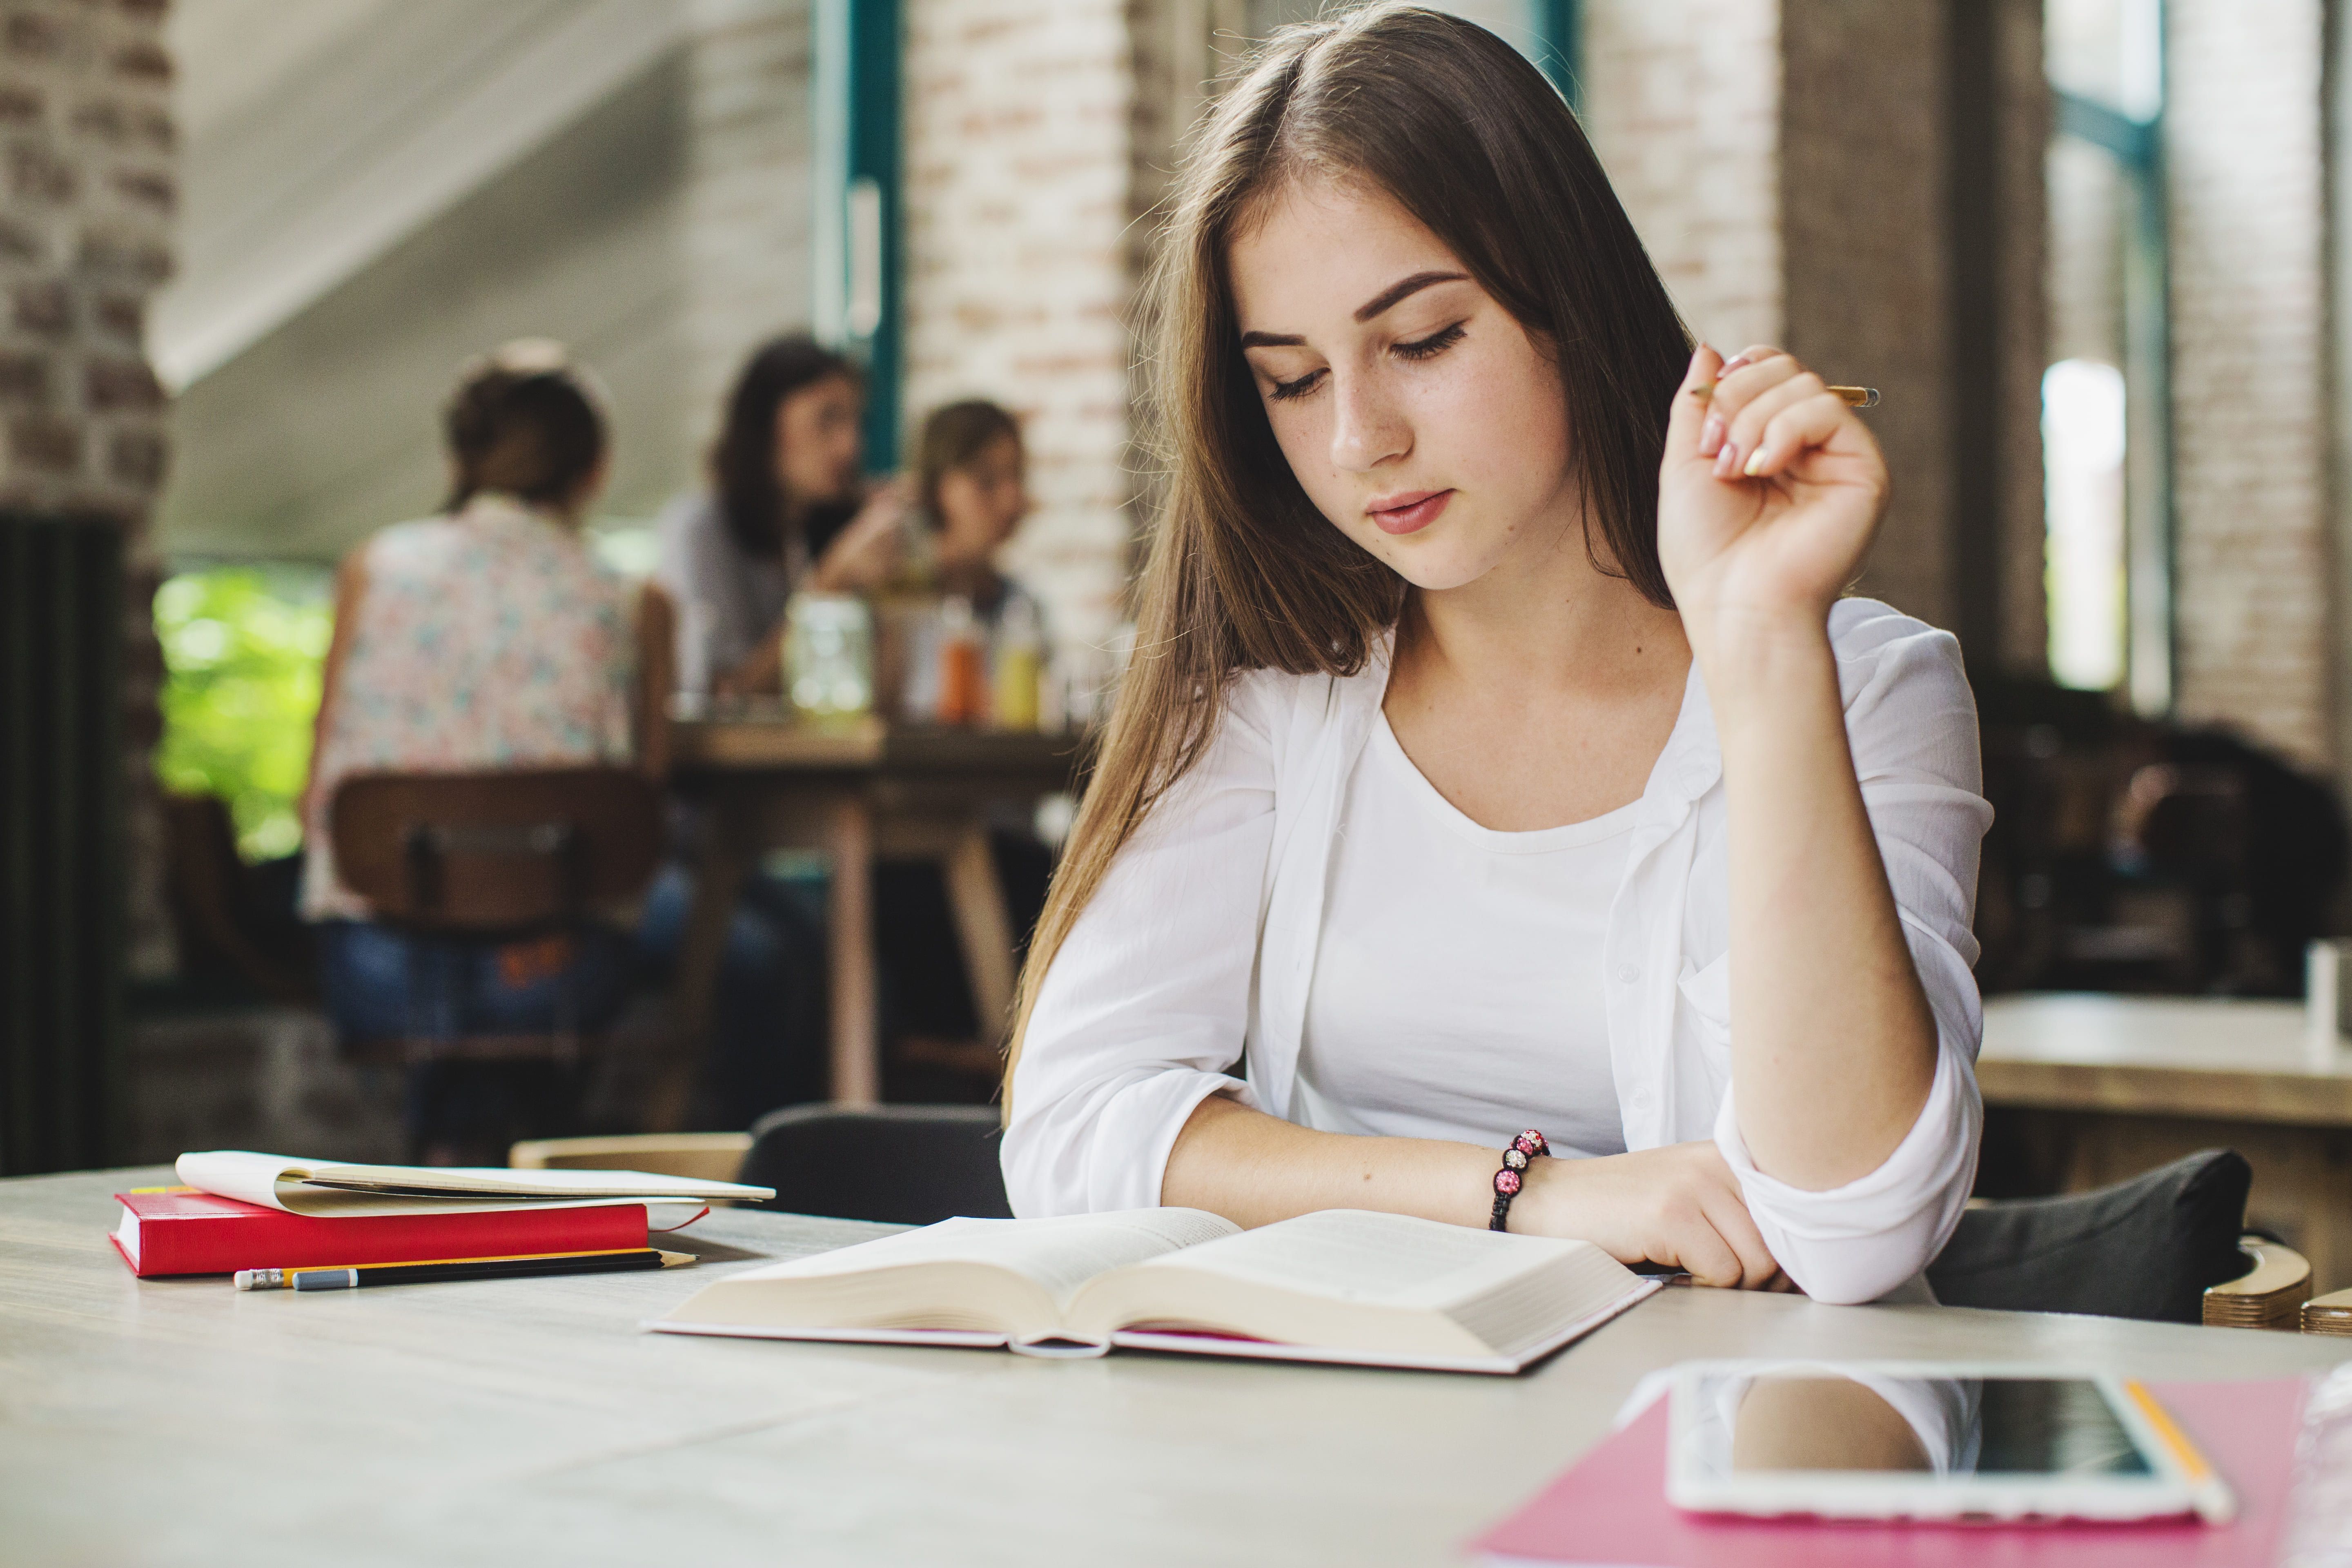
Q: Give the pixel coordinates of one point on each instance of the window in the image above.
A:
(2105, 419)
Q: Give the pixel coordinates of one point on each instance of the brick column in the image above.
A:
(86, 138)
(1801, 172)
(86, 147)
(1019, 274)
(2251, 556)
(1682, 100)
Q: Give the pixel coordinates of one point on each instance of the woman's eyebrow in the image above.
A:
(1402, 288)
(1395, 294)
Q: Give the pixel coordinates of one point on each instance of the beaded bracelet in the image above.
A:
(1508, 1180)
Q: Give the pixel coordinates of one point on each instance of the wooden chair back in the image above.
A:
(2269, 1295)
(489, 853)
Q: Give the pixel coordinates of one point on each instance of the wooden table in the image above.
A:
(2100, 1087)
(858, 791)
(179, 1421)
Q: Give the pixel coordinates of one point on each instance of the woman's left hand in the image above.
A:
(1768, 495)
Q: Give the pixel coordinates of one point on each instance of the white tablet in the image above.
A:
(1907, 1440)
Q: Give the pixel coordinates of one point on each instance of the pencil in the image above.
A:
(1852, 396)
(356, 1276)
(2208, 1492)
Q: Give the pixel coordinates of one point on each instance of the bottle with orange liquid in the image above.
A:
(964, 664)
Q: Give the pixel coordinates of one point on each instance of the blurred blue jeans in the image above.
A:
(768, 1014)
(380, 983)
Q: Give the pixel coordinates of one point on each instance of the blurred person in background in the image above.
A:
(787, 510)
(970, 493)
(488, 636)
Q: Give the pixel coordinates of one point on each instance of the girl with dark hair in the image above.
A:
(488, 636)
(1499, 751)
(970, 489)
(787, 510)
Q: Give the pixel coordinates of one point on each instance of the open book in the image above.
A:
(323, 1189)
(1377, 1290)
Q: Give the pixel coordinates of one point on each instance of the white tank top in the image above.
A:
(1457, 984)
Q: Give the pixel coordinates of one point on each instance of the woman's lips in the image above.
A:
(1408, 513)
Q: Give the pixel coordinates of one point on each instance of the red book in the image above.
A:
(1611, 1508)
(179, 1230)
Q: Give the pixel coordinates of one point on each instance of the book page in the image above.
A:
(325, 1188)
(1381, 1259)
(1058, 1255)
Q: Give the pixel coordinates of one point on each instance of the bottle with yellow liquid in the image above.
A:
(1020, 665)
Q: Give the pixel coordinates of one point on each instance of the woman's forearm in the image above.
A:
(1255, 1168)
(1678, 1205)
(1832, 1043)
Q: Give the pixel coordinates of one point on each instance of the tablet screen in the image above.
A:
(2014, 1426)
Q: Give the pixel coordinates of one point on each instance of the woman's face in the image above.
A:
(817, 441)
(1418, 415)
(982, 501)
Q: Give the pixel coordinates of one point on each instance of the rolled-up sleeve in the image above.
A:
(1911, 723)
(1146, 1005)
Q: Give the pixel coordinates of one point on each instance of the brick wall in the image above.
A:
(2243, 148)
(1018, 274)
(2022, 111)
(1682, 100)
(1863, 222)
(1788, 167)
(86, 163)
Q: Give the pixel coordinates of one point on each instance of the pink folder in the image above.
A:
(1611, 1508)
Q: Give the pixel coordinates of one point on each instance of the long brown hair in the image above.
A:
(1243, 574)
(750, 497)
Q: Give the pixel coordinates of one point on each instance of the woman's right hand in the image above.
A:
(1678, 1206)
(860, 557)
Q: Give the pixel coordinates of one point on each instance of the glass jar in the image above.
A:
(829, 655)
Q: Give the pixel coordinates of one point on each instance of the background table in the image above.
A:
(2088, 1090)
(173, 1422)
(858, 791)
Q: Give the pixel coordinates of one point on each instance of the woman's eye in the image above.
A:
(1283, 391)
(1431, 346)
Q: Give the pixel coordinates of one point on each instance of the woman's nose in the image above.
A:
(1367, 427)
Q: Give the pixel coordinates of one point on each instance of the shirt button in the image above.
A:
(1627, 973)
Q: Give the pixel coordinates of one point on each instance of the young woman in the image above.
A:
(1498, 754)
(972, 490)
(488, 636)
(787, 510)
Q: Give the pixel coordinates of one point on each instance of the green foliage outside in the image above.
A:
(243, 646)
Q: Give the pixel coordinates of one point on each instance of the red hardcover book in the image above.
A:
(179, 1230)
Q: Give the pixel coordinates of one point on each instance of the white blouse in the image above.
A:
(1198, 953)
(1457, 989)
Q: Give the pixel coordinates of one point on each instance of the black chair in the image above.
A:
(906, 1165)
(2144, 1248)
